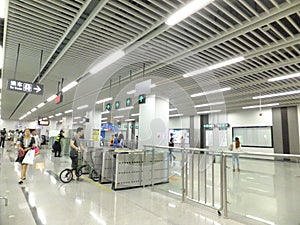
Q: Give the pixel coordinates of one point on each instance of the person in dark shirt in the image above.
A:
(56, 145)
(75, 147)
(171, 144)
(2, 137)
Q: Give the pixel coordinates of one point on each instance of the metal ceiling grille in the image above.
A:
(265, 32)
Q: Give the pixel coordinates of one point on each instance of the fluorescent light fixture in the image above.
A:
(260, 219)
(45, 118)
(69, 86)
(226, 63)
(28, 113)
(77, 117)
(104, 122)
(193, 73)
(260, 106)
(284, 77)
(58, 114)
(104, 100)
(208, 112)
(82, 107)
(171, 110)
(152, 85)
(209, 104)
(211, 92)
(75, 122)
(215, 66)
(117, 117)
(104, 118)
(175, 115)
(41, 105)
(277, 95)
(105, 112)
(131, 92)
(107, 61)
(51, 116)
(126, 108)
(135, 114)
(34, 109)
(81, 121)
(22, 117)
(129, 120)
(187, 10)
(69, 111)
(51, 98)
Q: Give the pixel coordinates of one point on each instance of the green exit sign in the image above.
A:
(142, 99)
(108, 107)
(117, 104)
(128, 102)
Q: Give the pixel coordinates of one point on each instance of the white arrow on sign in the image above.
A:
(37, 89)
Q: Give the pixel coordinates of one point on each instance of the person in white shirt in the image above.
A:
(235, 146)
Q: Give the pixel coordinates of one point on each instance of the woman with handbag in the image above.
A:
(25, 145)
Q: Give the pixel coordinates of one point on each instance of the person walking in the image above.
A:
(24, 145)
(171, 144)
(235, 147)
(2, 137)
(56, 145)
(75, 147)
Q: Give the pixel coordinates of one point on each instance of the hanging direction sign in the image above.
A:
(25, 87)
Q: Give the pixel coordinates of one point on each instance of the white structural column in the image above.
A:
(154, 121)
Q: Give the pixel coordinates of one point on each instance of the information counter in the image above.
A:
(134, 168)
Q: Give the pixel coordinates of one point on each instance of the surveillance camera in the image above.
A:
(260, 114)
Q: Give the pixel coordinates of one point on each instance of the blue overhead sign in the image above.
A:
(25, 87)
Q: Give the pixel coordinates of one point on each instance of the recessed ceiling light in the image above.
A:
(135, 114)
(284, 77)
(117, 117)
(277, 94)
(211, 92)
(260, 106)
(82, 107)
(208, 112)
(209, 104)
(107, 61)
(104, 100)
(176, 115)
(69, 86)
(51, 98)
(187, 10)
(41, 105)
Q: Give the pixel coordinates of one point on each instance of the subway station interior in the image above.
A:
(179, 112)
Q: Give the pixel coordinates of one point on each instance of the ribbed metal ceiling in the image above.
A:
(74, 34)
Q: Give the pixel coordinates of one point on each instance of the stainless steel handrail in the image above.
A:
(223, 171)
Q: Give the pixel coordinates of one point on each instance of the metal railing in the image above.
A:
(204, 174)
(199, 182)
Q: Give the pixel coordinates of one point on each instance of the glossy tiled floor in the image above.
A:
(42, 199)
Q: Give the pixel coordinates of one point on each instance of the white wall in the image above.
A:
(250, 118)
(179, 122)
(14, 124)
